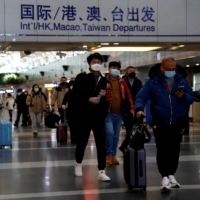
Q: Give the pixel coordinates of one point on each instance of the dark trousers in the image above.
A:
(128, 123)
(74, 130)
(168, 139)
(99, 135)
(24, 114)
(10, 115)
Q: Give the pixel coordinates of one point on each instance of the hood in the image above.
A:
(155, 70)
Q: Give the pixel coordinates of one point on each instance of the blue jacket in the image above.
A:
(155, 89)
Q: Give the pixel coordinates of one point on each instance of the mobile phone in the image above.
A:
(180, 88)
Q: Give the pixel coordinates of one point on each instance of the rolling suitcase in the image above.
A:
(5, 134)
(135, 168)
(61, 132)
(135, 157)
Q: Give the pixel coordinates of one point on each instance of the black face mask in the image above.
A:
(132, 75)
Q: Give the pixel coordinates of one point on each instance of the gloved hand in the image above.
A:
(63, 106)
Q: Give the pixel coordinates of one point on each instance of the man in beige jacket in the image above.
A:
(37, 105)
(58, 95)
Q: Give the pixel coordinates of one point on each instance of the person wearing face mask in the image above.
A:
(89, 105)
(21, 108)
(58, 96)
(134, 85)
(120, 105)
(37, 105)
(170, 95)
(70, 114)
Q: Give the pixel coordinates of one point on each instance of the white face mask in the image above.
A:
(96, 67)
(36, 89)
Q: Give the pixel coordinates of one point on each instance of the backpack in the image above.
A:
(139, 136)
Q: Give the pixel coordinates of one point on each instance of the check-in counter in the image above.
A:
(196, 111)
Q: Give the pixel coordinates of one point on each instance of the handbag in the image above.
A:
(139, 136)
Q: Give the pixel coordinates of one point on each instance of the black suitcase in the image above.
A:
(135, 168)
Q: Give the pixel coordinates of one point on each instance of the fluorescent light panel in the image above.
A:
(122, 49)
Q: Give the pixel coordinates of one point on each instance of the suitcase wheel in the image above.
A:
(130, 189)
(144, 189)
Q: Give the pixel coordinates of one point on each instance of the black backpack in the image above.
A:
(139, 136)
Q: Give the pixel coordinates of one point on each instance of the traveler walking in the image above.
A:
(21, 108)
(37, 105)
(170, 94)
(134, 85)
(120, 104)
(89, 104)
(58, 95)
(10, 103)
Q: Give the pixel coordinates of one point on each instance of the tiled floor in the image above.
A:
(38, 169)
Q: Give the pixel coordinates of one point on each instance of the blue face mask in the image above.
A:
(170, 74)
(114, 72)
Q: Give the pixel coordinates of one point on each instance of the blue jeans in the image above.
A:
(113, 123)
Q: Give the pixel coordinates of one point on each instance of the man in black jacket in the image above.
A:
(134, 85)
(89, 92)
(21, 108)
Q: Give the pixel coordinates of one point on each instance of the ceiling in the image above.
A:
(12, 54)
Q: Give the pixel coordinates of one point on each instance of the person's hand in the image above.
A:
(140, 114)
(94, 100)
(102, 93)
(179, 94)
(108, 85)
(33, 103)
(133, 113)
(63, 106)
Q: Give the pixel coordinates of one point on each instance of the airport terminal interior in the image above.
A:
(42, 41)
(38, 168)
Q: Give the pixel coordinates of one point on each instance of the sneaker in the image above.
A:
(115, 161)
(173, 182)
(35, 132)
(109, 159)
(78, 170)
(165, 185)
(102, 176)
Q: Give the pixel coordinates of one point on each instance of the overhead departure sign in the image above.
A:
(134, 15)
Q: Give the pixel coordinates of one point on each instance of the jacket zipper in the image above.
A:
(170, 101)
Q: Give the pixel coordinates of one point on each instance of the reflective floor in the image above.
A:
(39, 169)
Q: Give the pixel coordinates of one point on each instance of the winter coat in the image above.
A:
(135, 88)
(58, 95)
(165, 106)
(127, 102)
(21, 101)
(10, 103)
(39, 102)
(85, 87)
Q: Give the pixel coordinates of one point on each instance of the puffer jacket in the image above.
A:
(165, 106)
(39, 102)
(58, 95)
(127, 101)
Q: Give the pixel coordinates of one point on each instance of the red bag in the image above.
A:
(61, 134)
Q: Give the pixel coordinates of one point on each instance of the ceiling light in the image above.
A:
(197, 64)
(128, 49)
(187, 65)
(116, 43)
(181, 45)
(84, 46)
(104, 43)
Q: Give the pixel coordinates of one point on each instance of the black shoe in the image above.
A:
(24, 125)
(74, 142)
(16, 125)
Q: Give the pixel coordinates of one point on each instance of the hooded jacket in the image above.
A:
(58, 95)
(165, 105)
(127, 102)
(36, 101)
